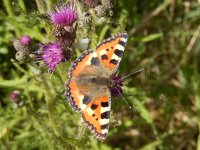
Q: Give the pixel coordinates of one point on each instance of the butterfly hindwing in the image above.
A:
(96, 116)
(111, 50)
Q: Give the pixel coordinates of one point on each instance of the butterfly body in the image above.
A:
(94, 81)
(88, 88)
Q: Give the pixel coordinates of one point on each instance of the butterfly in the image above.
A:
(90, 80)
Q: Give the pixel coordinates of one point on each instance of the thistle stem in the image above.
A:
(7, 5)
(48, 100)
(42, 9)
(81, 134)
(60, 68)
(41, 6)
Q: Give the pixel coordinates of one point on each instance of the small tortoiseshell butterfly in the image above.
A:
(88, 88)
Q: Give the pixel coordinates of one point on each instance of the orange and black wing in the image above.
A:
(110, 51)
(96, 116)
(80, 94)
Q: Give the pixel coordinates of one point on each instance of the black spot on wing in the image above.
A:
(94, 106)
(118, 52)
(105, 115)
(104, 57)
(104, 104)
(86, 100)
(104, 126)
(122, 43)
(94, 61)
(113, 61)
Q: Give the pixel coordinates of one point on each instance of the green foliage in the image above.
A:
(164, 39)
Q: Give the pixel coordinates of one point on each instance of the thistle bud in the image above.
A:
(100, 11)
(23, 47)
(107, 4)
(21, 56)
(91, 3)
(15, 96)
(23, 44)
(25, 40)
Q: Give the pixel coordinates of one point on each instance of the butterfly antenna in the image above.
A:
(136, 72)
(124, 99)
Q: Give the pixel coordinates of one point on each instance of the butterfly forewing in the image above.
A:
(75, 91)
(111, 50)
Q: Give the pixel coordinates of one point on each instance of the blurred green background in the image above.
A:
(164, 39)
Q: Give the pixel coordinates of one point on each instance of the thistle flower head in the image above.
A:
(116, 89)
(63, 15)
(15, 96)
(53, 54)
(25, 40)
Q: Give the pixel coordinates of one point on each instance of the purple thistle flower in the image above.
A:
(116, 89)
(25, 40)
(63, 15)
(15, 96)
(53, 54)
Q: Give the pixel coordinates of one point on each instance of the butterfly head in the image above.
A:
(116, 85)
